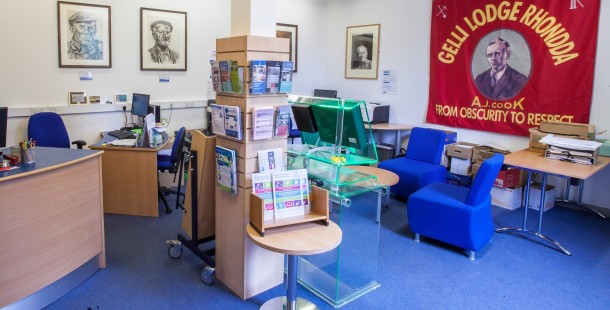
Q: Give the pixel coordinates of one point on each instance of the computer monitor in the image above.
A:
(354, 133)
(3, 122)
(325, 93)
(139, 104)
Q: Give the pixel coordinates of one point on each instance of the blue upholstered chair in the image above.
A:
(48, 129)
(172, 162)
(293, 132)
(454, 214)
(421, 164)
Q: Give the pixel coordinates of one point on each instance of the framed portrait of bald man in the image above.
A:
(162, 40)
(83, 35)
(362, 52)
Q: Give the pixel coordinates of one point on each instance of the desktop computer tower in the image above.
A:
(156, 110)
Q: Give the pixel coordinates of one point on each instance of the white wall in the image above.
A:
(31, 76)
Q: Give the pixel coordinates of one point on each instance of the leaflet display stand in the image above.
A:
(245, 268)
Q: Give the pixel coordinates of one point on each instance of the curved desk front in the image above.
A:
(129, 178)
(51, 226)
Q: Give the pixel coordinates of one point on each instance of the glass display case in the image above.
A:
(336, 135)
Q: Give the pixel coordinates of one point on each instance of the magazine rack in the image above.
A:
(319, 212)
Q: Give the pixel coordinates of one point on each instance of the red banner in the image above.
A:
(505, 66)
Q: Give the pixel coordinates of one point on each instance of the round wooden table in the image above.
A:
(294, 240)
(384, 177)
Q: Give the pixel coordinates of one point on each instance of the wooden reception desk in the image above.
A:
(51, 226)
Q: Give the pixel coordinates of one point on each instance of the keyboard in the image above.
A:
(121, 134)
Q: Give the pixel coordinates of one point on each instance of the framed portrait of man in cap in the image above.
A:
(83, 35)
(162, 40)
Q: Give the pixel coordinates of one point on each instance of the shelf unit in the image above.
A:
(245, 268)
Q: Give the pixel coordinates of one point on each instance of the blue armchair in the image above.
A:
(48, 129)
(454, 214)
(421, 164)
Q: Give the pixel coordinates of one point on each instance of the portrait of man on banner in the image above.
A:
(500, 81)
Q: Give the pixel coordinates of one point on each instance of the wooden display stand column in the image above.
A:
(242, 266)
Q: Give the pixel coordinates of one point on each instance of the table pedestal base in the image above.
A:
(280, 303)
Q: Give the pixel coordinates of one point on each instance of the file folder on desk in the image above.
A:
(571, 155)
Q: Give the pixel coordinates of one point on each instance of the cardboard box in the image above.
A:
(549, 198)
(536, 135)
(475, 168)
(460, 166)
(574, 130)
(508, 178)
(461, 150)
(507, 198)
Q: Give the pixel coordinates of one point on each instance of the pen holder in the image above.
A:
(28, 156)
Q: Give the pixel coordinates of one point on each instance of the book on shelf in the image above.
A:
(262, 122)
(273, 76)
(286, 77)
(216, 83)
(233, 122)
(237, 77)
(258, 76)
(270, 160)
(226, 169)
(282, 121)
(288, 192)
(218, 119)
(225, 75)
(261, 186)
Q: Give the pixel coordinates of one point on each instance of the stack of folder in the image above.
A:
(571, 150)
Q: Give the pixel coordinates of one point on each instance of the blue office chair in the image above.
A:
(48, 129)
(172, 162)
(293, 132)
(454, 214)
(421, 164)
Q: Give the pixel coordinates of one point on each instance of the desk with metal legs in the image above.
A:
(534, 162)
(393, 127)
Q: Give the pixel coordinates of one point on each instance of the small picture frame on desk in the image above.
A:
(94, 100)
(77, 97)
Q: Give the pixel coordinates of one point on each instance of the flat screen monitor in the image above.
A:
(354, 133)
(3, 122)
(139, 104)
(325, 93)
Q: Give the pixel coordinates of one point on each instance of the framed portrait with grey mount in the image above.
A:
(362, 52)
(290, 32)
(83, 32)
(162, 40)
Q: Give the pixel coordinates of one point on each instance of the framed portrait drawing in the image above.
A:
(162, 40)
(83, 35)
(362, 52)
(290, 32)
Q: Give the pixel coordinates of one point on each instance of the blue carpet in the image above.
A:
(512, 272)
